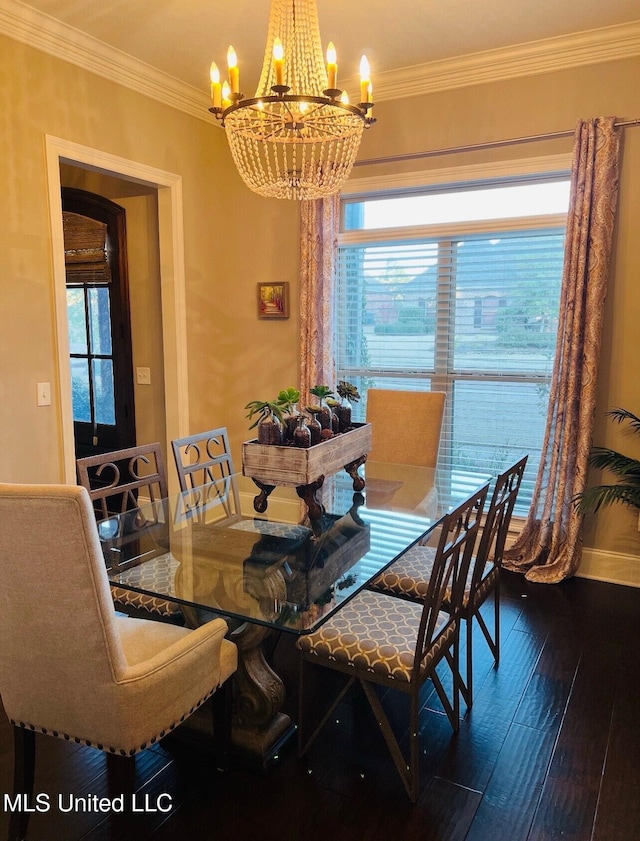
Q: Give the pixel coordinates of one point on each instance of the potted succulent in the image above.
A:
(287, 399)
(322, 392)
(348, 394)
(269, 420)
(627, 489)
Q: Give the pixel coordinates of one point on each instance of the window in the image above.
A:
(457, 290)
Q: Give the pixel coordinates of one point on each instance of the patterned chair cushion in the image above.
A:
(409, 577)
(155, 574)
(288, 531)
(377, 633)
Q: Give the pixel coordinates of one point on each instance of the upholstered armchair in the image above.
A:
(70, 667)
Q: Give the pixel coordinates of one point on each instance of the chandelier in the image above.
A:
(298, 137)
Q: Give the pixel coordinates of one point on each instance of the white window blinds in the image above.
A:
(474, 315)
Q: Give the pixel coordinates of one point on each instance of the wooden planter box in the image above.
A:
(296, 466)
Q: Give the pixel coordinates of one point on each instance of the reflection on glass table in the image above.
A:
(208, 550)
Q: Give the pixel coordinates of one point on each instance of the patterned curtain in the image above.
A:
(319, 222)
(549, 547)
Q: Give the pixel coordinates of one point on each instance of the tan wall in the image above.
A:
(234, 239)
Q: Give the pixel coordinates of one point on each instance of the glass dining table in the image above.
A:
(209, 551)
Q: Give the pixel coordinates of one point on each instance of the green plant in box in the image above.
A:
(269, 420)
(348, 394)
(324, 415)
(287, 399)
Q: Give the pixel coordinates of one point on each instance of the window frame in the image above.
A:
(543, 169)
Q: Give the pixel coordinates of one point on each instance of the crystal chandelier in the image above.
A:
(298, 137)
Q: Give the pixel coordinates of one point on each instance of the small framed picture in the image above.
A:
(273, 300)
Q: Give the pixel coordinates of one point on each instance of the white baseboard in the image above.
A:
(613, 567)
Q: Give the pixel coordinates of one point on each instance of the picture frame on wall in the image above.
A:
(273, 300)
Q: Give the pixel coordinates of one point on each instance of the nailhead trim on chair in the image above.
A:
(109, 749)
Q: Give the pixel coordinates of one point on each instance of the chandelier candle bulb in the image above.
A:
(226, 95)
(234, 70)
(332, 67)
(364, 79)
(216, 96)
(278, 61)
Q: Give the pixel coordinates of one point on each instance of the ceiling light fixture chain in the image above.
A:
(298, 136)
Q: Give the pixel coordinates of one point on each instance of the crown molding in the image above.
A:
(546, 56)
(25, 24)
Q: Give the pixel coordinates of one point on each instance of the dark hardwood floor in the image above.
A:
(550, 750)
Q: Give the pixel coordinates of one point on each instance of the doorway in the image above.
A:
(99, 322)
(61, 153)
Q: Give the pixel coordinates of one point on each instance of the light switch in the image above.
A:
(143, 376)
(44, 394)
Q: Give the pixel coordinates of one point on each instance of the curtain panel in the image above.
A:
(550, 545)
(319, 221)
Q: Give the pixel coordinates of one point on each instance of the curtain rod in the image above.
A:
(489, 144)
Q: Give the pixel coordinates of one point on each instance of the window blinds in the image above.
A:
(474, 316)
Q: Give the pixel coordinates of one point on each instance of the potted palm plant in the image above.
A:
(627, 469)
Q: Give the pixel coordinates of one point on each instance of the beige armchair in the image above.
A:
(69, 666)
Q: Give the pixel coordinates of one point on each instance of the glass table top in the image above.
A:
(208, 550)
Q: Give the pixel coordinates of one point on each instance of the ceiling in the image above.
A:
(181, 37)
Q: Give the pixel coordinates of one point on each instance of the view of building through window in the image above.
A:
(474, 315)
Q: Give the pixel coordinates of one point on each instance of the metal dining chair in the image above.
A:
(205, 459)
(379, 639)
(409, 576)
(117, 482)
(202, 458)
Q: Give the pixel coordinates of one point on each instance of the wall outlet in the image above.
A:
(143, 376)
(44, 394)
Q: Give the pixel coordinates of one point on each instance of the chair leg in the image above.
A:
(414, 748)
(467, 691)
(408, 772)
(304, 745)
(121, 776)
(222, 710)
(24, 761)
(496, 620)
(494, 644)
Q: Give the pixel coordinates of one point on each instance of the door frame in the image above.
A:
(172, 284)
